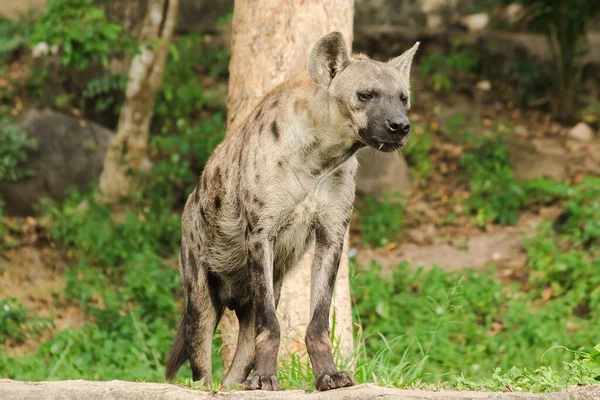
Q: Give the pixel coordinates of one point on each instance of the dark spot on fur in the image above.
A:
(204, 181)
(217, 202)
(279, 164)
(275, 130)
(311, 148)
(338, 173)
(316, 171)
(258, 202)
(193, 264)
(262, 128)
(181, 260)
(275, 104)
(252, 218)
(257, 178)
(202, 214)
(216, 180)
(214, 284)
(190, 306)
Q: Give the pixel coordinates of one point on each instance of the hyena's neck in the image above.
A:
(328, 137)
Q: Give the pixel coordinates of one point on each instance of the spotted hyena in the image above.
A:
(284, 181)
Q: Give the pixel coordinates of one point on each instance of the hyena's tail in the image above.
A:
(178, 353)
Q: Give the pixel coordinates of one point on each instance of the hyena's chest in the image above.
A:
(297, 233)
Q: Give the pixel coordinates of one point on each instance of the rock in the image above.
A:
(513, 13)
(120, 390)
(382, 173)
(476, 22)
(484, 86)
(581, 132)
(529, 162)
(482, 93)
(70, 153)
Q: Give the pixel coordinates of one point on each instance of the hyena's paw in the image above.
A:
(334, 381)
(262, 382)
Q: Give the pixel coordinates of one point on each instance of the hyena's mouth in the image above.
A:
(382, 141)
(386, 146)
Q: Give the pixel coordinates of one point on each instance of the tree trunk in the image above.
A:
(131, 14)
(127, 153)
(271, 41)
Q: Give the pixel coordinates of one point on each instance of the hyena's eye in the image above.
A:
(404, 100)
(365, 96)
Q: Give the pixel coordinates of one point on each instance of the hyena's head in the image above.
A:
(374, 96)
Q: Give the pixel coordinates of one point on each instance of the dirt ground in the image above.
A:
(33, 273)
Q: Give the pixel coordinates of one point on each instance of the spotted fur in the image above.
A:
(285, 180)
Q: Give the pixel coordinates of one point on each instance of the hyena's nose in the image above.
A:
(399, 125)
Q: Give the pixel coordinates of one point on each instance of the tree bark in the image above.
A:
(127, 153)
(131, 14)
(271, 41)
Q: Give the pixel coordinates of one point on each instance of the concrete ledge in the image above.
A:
(121, 390)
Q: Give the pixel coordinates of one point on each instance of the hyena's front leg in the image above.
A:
(260, 263)
(328, 251)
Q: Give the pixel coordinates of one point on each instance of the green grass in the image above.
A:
(418, 327)
(380, 220)
(495, 193)
(16, 326)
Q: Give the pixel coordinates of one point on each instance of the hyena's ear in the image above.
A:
(327, 58)
(404, 61)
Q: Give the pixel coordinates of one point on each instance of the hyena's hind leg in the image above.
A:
(243, 360)
(202, 312)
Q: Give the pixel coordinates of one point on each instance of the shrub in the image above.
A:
(444, 69)
(495, 194)
(564, 23)
(14, 145)
(81, 32)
